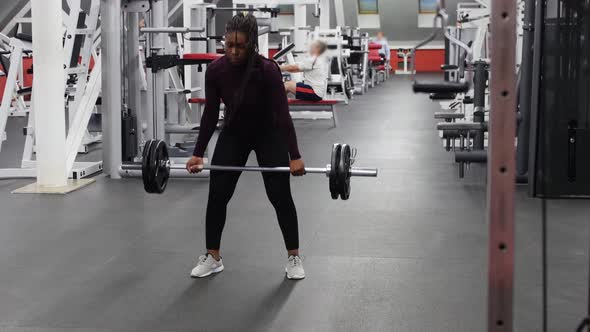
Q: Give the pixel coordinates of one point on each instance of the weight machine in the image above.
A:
(82, 88)
(162, 111)
(340, 82)
(358, 43)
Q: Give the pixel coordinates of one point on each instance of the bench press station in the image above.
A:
(295, 105)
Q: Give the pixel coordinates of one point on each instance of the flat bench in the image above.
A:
(296, 105)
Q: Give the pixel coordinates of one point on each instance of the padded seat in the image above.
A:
(375, 58)
(375, 46)
(197, 101)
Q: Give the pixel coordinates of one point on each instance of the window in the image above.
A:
(368, 7)
(286, 10)
(427, 7)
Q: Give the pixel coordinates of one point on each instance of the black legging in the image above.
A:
(232, 150)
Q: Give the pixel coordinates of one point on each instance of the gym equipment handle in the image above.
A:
(448, 67)
(440, 87)
(284, 51)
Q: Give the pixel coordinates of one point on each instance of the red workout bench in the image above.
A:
(376, 64)
(296, 105)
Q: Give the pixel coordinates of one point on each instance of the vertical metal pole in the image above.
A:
(300, 21)
(190, 46)
(50, 123)
(536, 84)
(148, 101)
(211, 31)
(158, 47)
(111, 86)
(198, 17)
(325, 14)
(522, 151)
(133, 74)
(339, 8)
(501, 170)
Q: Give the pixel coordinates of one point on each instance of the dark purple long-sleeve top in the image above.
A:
(264, 105)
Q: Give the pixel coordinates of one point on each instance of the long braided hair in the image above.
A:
(247, 25)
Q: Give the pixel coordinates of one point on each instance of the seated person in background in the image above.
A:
(384, 51)
(315, 71)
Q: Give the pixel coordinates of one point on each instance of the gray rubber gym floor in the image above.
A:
(408, 252)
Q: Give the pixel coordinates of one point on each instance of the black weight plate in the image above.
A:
(344, 172)
(335, 161)
(164, 168)
(145, 162)
(159, 169)
(151, 173)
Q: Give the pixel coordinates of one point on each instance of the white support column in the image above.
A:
(111, 85)
(159, 17)
(50, 121)
(325, 14)
(263, 45)
(212, 31)
(198, 19)
(339, 8)
(191, 46)
(300, 21)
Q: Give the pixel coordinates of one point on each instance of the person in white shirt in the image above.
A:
(315, 69)
(385, 52)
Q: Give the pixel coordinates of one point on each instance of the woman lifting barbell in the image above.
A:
(256, 118)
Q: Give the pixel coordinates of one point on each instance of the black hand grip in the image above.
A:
(445, 87)
(448, 67)
(284, 51)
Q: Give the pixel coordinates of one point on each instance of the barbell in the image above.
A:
(156, 166)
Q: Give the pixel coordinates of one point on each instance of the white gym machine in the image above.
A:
(81, 87)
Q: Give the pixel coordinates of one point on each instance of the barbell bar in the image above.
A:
(361, 172)
(156, 167)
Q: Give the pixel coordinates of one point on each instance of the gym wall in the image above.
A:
(399, 19)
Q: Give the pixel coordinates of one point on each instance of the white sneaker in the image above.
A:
(294, 268)
(207, 265)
